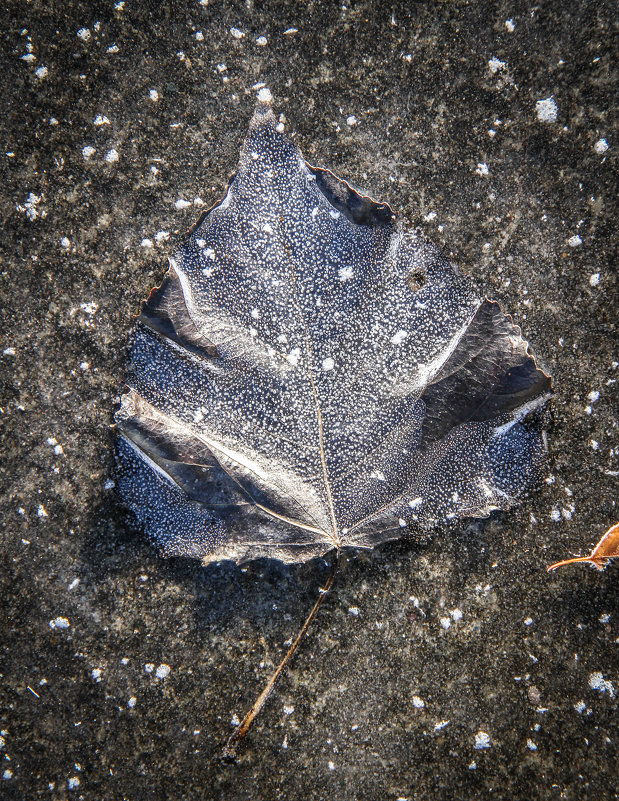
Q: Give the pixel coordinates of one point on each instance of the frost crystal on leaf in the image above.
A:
(323, 346)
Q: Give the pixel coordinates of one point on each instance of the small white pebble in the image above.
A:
(181, 204)
(331, 766)
(473, 766)
(531, 745)
(594, 444)
(84, 34)
(112, 49)
(574, 241)
(580, 707)
(59, 623)
(528, 621)
(163, 671)
(41, 72)
(555, 515)
(418, 702)
(132, 702)
(482, 740)
(154, 95)
(445, 623)
(111, 156)
(101, 119)
(261, 41)
(149, 667)
(87, 151)
(199, 36)
(9, 352)
(352, 120)
(593, 396)
(290, 31)
(456, 614)
(441, 725)
(73, 783)
(237, 33)
(605, 618)
(234, 720)
(146, 243)
(109, 484)
(354, 610)
(482, 169)
(264, 95)
(287, 709)
(8, 774)
(42, 512)
(328, 364)
(594, 279)
(601, 146)
(162, 236)
(96, 674)
(547, 110)
(509, 24)
(65, 243)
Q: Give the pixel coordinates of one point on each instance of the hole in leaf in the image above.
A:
(416, 279)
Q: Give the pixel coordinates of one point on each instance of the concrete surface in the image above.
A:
(425, 653)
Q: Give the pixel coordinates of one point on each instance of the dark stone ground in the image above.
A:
(523, 653)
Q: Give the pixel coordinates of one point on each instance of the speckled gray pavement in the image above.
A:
(454, 668)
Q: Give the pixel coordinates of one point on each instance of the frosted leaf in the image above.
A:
(274, 409)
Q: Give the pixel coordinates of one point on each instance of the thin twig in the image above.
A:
(229, 752)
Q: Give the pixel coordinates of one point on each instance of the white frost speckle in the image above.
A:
(482, 740)
(162, 236)
(198, 36)
(399, 337)
(96, 674)
(509, 24)
(601, 146)
(531, 745)
(482, 169)
(154, 95)
(65, 243)
(87, 152)
(594, 279)
(42, 512)
(111, 156)
(445, 623)
(418, 702)
(41, 72)
(264, 94)
(456, 614)
(604, 618)
(574, 241)
(288, 709)
(594, 444)
(234, 720)
(181, 204)
(163, 671)
(147, 243)
(261, 41)
(149, 667)
(237, 33)
(547, 110)
(328, 364)
(580, 707)
(496, 64)
(59, 623)
(352, 120)
(73, 783)
(555, 515)
(599, 683)
(294, 356)
(415, 503)
(345, 273)
(84, 34)
(101, 119)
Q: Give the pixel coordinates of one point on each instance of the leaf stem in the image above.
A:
(229, 753)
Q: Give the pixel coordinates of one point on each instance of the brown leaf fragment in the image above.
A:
(606, 549)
